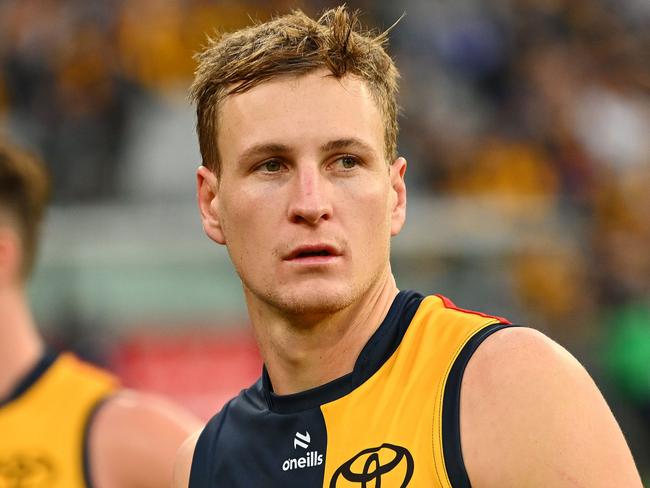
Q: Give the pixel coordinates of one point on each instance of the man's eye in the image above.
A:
(272, 166)
(348, 162)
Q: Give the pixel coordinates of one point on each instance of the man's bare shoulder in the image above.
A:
(183, 463)
(134, 439)
(532, 416)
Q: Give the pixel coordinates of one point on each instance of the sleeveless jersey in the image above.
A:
(43, 424)
(392, 422)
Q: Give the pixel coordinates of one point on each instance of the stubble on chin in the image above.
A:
(311, 302)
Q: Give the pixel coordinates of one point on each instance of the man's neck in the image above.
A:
(299, 358)
(20, 344)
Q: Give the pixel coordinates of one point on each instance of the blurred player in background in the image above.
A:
(364, 384)
(65, 423)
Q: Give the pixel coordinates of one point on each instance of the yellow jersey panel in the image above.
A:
(43, 429)
(396, 416)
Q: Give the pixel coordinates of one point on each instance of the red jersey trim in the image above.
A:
(450, 305)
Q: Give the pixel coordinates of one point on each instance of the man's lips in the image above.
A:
(313, 252)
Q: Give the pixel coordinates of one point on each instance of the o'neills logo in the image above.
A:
(310, 459)
(386, 465)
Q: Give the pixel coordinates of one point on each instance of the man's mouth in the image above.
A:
(315, 253)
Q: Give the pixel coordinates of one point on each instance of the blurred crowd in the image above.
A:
(543, 104)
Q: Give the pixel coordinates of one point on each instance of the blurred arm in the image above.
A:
(134, 440)
(183, 463)
(531, 416)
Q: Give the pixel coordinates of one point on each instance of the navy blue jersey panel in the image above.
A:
(247, 445)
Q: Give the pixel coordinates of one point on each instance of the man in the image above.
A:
(64, 423)
(363, 385)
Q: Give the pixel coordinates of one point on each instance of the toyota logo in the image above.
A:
(390, 463)
(25, 470)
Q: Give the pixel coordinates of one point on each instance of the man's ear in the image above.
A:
(10, 256)
(398, 187)
(207, 187)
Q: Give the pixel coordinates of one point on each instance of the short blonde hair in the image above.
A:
(24, 194)
(292, 44)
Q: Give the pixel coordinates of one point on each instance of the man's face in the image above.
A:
(305, 202)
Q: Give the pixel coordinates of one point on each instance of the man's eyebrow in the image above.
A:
(347, 143)
(263, 150)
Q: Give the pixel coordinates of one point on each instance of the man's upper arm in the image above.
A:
(183, 463)
(531, 416)
(134, 439)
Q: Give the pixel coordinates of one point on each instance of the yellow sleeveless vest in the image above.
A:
(43, 430)
(391, 427)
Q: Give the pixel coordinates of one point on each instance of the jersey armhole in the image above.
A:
(451, 445)
(85, 449)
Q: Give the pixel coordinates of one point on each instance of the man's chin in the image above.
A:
(310, 302)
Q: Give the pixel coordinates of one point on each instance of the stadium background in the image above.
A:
(527, 129)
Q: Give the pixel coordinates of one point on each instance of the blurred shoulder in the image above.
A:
(134, 439)
(183, 463)
(143, 411)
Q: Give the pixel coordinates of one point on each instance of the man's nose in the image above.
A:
(310, 199)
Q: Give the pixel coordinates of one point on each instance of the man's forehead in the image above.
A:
(275, 89)
(315, 105)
